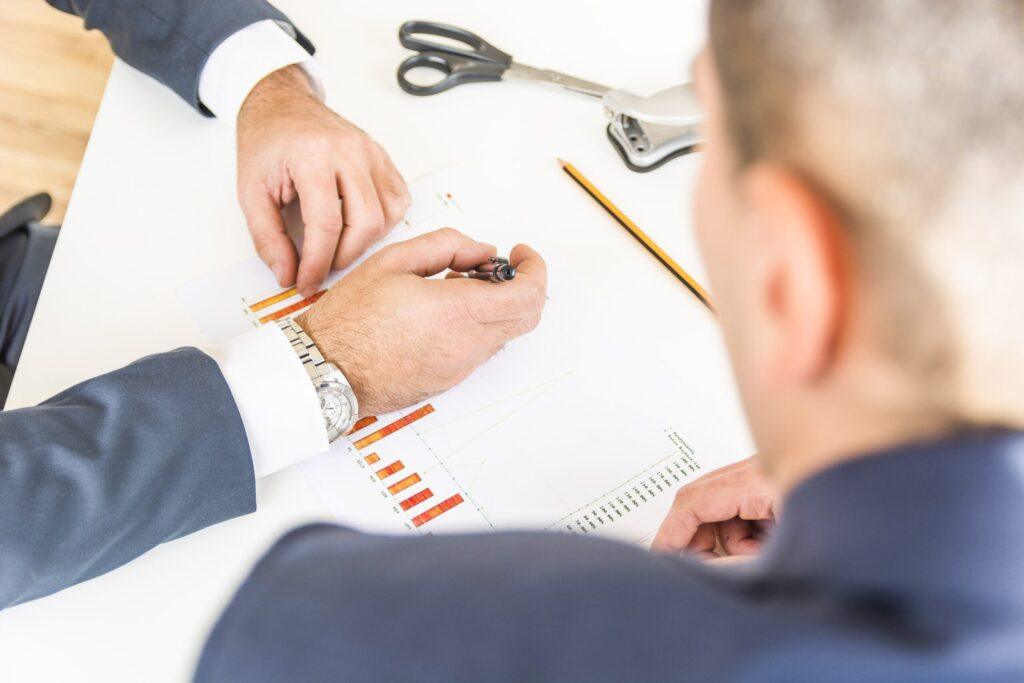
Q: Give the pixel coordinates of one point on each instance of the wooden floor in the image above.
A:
(52, 74)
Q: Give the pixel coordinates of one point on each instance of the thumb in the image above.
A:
(434, 252)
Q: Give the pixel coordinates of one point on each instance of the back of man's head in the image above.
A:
(909, 116)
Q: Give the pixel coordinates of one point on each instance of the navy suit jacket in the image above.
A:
(114, 466)
(899, 566)
(171, 39)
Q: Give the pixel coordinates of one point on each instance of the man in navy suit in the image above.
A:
(860, 212)
(246, 63)
(174, 442)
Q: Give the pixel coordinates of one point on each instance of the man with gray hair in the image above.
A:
(861, 212)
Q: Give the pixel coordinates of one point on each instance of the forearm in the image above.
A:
(106, 470)
(171, 40)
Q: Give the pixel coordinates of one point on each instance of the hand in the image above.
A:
(400, 338)
(733, 506)
(291, 145)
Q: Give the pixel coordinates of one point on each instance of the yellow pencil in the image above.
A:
(639, 234)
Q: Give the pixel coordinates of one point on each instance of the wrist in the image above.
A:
(290, 84)
(335, 351)
(338, 403)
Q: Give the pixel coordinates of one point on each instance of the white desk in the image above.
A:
(154, 207)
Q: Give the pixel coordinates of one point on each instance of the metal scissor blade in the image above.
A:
(579, 85)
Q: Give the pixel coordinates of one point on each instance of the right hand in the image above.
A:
(400, 338)
(731, 507)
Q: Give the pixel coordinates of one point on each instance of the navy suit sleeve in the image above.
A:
(171, 39)
(104, 471)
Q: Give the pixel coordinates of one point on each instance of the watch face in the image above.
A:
(336, 408)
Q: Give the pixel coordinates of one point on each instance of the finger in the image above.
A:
(392, 191)
(364, 217)
(739, 537)
(677, 530)
(705, 501)
(429, 254)
(520, 299)
(453, 275)
(703, 541)
(266, 226)
(529, 264)
(321, 214)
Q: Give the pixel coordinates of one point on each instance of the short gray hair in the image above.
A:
(909, 116)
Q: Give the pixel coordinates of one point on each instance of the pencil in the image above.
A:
(641, 237)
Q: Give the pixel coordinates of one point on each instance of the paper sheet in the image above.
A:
(562, 430)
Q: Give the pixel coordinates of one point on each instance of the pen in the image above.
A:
(639, 234)
(497, 269)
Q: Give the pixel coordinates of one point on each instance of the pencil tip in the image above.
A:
(561, 161)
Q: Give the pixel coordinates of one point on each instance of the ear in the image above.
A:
(804, 280)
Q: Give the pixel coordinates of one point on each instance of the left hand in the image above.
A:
(731, 507)
(291, 145)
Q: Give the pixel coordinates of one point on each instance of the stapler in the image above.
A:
(650, 131)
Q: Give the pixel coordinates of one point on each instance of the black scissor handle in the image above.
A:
(456, 69)
(478, 48)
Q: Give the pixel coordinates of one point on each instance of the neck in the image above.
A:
(833, 431)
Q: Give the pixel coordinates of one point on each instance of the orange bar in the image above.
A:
(275, 299)
(362, 424)
(416, 498)
(436, 511)
(394, 426)
(287, 310)
(404, 484)
(386, 472)
(371, 458)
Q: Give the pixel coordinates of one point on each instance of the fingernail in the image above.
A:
(279, 273)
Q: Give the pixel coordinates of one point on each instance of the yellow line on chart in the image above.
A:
(547, 386)
(543, 385)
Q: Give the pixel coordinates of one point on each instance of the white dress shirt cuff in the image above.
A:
(245, 58)
(275, 398)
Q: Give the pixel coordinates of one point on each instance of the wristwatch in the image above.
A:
(337, 400)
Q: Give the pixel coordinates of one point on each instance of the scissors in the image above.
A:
(478, 61)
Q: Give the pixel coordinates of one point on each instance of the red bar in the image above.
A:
(394, 426)
(361, 424)
(297, 306)
(416, 498)
(371, 458)
(437, 510)
(404, 484)
(386, 472)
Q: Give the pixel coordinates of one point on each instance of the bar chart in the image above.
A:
(282, 304)
(394, 478)
(562, 430)
(479, 460)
